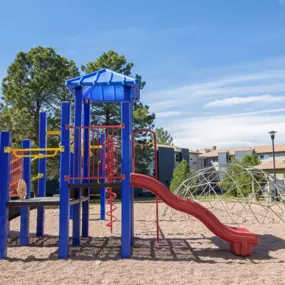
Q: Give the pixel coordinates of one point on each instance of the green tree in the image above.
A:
(109, 114)
(35, 82)
(180, 173)
(238, 181)
(163, 137)
(250, 160)
(144, 152)
(16, 121)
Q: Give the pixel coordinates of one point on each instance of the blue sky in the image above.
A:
(215, 70)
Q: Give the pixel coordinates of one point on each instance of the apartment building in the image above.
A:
(208, 156)
(168, 159)
(170, 156)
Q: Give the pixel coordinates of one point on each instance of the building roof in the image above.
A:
(268, 148)
(106, 85)
(215, 152)
(268, 165)
(102, 77)
(176, 148)
(258, 150)
(194, 151)
(166, 146)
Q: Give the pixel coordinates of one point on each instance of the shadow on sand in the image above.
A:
(174, 249)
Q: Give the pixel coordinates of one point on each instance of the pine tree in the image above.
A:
(110, 114)
(35, 82)
(163, 136)
(180, 173)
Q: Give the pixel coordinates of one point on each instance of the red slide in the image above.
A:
(241, 240)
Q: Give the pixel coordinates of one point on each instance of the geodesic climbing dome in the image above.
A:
(235, 194)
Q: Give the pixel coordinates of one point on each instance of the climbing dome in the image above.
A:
(235, 194)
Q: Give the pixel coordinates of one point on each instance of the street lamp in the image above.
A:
(272, 135)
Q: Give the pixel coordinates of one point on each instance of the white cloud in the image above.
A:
(162, 105)
(224, 86)
(270, 111)
(229, 131)
(248, 109)
(242, 128)
(249, 85)
(173, 114)
(244, 100)
(239, 90)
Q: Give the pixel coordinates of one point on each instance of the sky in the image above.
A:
(215, 70)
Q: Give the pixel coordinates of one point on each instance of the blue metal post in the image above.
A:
(102, 173)
(132, 188)
(126, 114)
(25, 210)
(42, 169)
(77, 162)
(5, 141)
(86, 168)
(63, 248)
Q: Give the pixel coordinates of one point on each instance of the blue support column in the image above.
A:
(25, 210)
(42, 169)
(126, 114)
(132, 188)
(77, 162)
(63, 248)
(86, 168)
(5, 141)
(102, 173)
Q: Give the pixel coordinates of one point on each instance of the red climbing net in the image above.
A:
(110, 161)
(111, 171)
(16, 170)
(93, 135)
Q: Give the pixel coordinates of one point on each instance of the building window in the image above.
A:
(178, 157)
(264, 156)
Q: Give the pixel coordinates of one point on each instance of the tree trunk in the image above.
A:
(107, 117)
(36, 122)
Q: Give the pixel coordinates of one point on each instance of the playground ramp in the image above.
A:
(241, 241)
(15, 212)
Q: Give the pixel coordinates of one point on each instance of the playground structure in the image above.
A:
(207, 187)
(81, 169)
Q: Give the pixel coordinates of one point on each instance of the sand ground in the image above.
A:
(188, 254)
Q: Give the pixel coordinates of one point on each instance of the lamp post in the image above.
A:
(272, 135)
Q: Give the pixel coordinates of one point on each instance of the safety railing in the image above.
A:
(16, 173)
(84, 137)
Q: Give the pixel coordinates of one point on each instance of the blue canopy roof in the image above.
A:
(106, 85)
